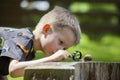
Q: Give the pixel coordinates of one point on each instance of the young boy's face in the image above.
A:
(57, 40)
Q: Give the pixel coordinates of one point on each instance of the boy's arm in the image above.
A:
(16, 68)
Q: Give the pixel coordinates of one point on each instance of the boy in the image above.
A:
(55, 32)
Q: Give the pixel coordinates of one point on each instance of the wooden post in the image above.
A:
(50, 71)
(73, 71)
(97, 71)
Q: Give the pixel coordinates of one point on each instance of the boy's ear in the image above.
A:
(45, 28)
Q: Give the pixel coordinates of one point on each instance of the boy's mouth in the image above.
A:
(52, 52)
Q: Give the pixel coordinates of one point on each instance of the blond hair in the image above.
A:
(63, 17)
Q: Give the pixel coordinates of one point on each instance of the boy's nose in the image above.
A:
(61, 48)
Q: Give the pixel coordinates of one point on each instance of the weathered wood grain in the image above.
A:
(73, 71)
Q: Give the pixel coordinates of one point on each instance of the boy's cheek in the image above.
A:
(48, 51)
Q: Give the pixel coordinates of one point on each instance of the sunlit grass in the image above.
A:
(86, 7)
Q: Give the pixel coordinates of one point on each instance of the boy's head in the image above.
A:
(61, 22)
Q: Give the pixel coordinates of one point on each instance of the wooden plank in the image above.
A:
(73, 71)
(50, 71)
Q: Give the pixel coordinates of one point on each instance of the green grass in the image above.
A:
(107, 49)
(10, 78)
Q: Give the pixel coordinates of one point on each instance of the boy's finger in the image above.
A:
(70, 55)
(67, 56)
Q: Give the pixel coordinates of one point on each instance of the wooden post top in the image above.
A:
(73, 71)
(66, 64)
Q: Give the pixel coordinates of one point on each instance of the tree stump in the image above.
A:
(73, 71)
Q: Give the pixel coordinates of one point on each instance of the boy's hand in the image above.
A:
(60, 55)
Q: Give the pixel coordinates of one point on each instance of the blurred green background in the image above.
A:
(99, 21)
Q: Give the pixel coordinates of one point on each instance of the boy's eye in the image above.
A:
(65, 49)
(61, 42)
